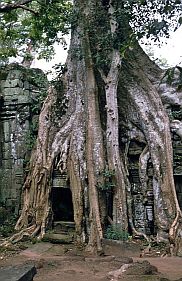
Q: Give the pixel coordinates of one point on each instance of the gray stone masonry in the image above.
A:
(23, 272)
(20, 90)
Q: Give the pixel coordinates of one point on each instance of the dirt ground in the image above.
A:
(56, 262)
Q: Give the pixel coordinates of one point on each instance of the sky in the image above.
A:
(60, 57)
(171, 50)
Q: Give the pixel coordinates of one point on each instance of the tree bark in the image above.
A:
(81, 133)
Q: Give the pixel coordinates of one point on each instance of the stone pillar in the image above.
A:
(17, 94)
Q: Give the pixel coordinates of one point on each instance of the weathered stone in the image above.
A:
(58, 238)
(18, 273)
(14, 74)
(13, 83)
(7, 163)
(6, 151)
(15, 129)
(141, 268)
(137, 271)
(26, 85)
(7, 131)
(124, 260)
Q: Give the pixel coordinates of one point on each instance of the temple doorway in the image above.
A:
(62, 205)
(178, 185)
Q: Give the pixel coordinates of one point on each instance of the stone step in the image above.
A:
(63, 226)
(58, 238)
(23, 272)
(66, 223)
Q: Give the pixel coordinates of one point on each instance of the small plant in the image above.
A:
(177, 114)
(7, 226)
(108, 180)
(3, 215)
(30, 140)
(108, 173)
(106, 187)
(114, 232)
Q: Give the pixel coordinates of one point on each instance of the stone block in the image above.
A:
(11, 203)
(7, 151)
(17, 174)
(12, 92)
(7, 131)
(26, 85)
(58, 238)
(19, 179)
(13, 83)
(25, 98)
(2, 85)
(15, 74)
(16, 95)
(5, 183)
(20, 149)
(21, 272)
(7, 163)
(141, 268)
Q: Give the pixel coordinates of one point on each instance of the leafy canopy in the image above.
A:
(154, 18)
(41, 23)
(38, 24)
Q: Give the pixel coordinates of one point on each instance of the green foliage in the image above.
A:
(30, 139)
(7, 222)
(6, 229)
(107, 186)
(37, 102)
(108, 173)
(39, 83)
(3, 214)
(114, 232)
(172, 79)
(135, 19)
(40, 24)
(45, 23)
(101, 40)
(153, 18)
(170, 75)
(177, 114)
(108, 180)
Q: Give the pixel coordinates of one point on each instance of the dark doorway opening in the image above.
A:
(109, 204)
(178, 185)
(62, 204)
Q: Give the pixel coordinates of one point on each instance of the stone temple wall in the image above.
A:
(21, 93)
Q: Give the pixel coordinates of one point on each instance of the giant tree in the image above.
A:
(108, 95)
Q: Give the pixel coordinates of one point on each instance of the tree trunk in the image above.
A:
(81, 133)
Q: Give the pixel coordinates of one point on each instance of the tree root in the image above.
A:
(116, 274)
(26, 232)
(175, 234)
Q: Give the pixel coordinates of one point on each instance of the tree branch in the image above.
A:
(28, 9)
(20, 5)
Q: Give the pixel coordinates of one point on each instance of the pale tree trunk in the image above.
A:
(115, 163)
(114, 159)
(94, 148)
(80, 133)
